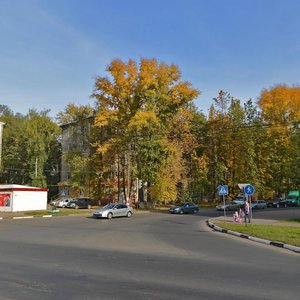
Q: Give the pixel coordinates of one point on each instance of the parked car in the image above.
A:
(259, 204)
(280, 203)
(63, 202)
(229, 205)
(54, 202)
(112, 210)
(240, 199)
(81, 202)
(185, 208)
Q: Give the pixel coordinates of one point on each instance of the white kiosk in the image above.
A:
(14, 197)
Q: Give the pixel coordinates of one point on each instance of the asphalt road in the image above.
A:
(149, 256)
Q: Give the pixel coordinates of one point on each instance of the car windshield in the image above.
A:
(292, 197)
(109, 206)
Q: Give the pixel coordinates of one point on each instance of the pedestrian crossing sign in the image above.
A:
(223, 190)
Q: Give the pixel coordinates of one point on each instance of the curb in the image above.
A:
(252, 238)
(27, 217)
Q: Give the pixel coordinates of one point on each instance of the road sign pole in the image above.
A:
(249, 190)
(223, 191)
(250, 207)
(224, 208)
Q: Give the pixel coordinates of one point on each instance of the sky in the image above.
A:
(51, 51)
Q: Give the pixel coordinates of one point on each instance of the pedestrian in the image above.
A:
(241, 215)
(236, 217)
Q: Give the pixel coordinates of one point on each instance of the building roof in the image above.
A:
(18, 187)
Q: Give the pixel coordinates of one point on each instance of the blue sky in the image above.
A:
(52, 50)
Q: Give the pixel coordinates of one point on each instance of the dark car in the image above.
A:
(280, 203)
(81, 202)
(186, 208)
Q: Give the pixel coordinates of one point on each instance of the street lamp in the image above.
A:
(1, 131)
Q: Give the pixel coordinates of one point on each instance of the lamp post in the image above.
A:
(1, 133)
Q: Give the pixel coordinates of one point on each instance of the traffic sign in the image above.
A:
(249, 189)
(223, 190)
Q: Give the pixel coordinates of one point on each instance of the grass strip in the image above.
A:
(60, 212)
(293, 220)
(285, 234)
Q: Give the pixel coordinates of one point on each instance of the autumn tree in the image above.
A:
(280, 107)
(138, 103)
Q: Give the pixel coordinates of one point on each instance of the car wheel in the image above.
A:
(76, 206)
(129, 214)
(89, 206)
(181, 212)
(195, 211)
(109, 216)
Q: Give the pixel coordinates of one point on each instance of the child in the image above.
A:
(236, 217)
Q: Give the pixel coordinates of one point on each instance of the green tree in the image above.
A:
(29, 144)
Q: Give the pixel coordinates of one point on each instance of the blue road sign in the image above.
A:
(223, 190)
(249, 189)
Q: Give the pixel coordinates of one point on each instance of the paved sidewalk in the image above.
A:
(259, 221)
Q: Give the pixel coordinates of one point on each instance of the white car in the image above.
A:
(63, 202)
(112, 210)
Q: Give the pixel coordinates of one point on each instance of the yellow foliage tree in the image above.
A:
(280, 107)
(138, 103)
(280, 103)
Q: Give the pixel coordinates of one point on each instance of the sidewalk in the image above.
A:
(259, 222)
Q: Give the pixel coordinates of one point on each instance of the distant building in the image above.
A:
(76, 136)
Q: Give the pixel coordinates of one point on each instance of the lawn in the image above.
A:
(286, 234)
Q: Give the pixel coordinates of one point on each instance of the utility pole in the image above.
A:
(1, 134)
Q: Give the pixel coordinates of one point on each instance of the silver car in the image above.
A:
(230, 205)
(112, 210)
(259, 204)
